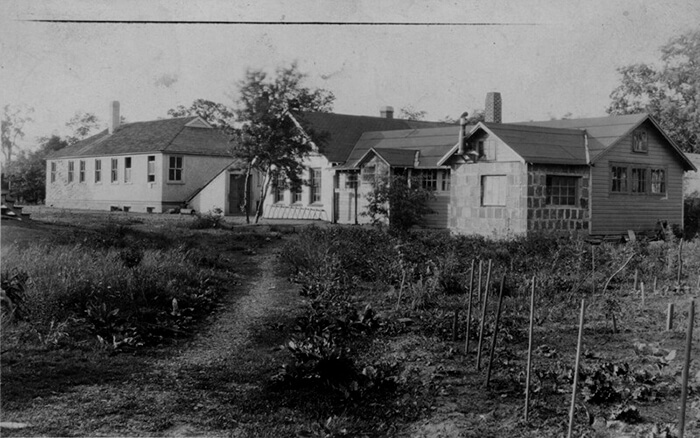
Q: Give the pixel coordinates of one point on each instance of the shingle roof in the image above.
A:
(166, 135)
(433, 143)
(543, 145)
(345, 130)
(395, 157)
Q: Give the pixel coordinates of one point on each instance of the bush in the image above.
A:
(400, 201)
(211, 219)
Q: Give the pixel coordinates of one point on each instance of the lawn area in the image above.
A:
(149, 325)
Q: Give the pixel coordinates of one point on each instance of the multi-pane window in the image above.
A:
(618, 177)
(315, 186)
(296, 196)
(151, 168)
(493, 190)
(369, 173)
(351, 180)
(98, 171)
(71, 170)
(640, 141)
(53, 171)
(658, 181)
(175, 169)
(429, 179)
(639, 180)
(445, 181)
(127, 169)
(81, 171)
(561, 190)
(278, 189)
(114, 177)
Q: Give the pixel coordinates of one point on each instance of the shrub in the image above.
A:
(211, 219)
(400, 201)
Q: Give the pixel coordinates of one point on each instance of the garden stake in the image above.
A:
(669, 317)
(592, 269)
(578, 361)
(641, 286)
(478, 294)
(654, 289)
(481, 327)
(636, 277)
(469, 309)
(680, 261)
(686, 368)
(455, 324)
(529, 349)
(495, 332)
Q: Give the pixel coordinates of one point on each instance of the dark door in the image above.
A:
(236, 194)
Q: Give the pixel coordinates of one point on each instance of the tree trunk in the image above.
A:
(263, 194)
(246, 198)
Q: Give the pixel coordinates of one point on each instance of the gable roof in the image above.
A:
(536, 144)
(345, 130)
(184, 135)
(392, 157)
(433, 144)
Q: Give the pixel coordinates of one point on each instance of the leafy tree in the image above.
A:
(401, 201)
(216, 114)
(669, 92)
(410, 113)
(478, 116)
(27, 173)
(273, 137)
(83, 125)
(13, 122)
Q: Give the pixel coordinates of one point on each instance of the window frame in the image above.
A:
(445, 180)
(633, 181)
(53, 168)
(428, 179)
(175, 172)
(98, 171)
(638, 179)
(551, 197)
(663, 182)
(127, 170)
(151, 169)
(278, 190)
(315, 194)
(352, 180)
(71, 171)
(81, 171)
(618, 184)
(640, 141)
(483, 187)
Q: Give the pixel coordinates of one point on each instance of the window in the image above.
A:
(640, 141)
(619, 179)
(315, 186)
(278, 189)
(175, 169)
(493, 190)
(81, 171)
(127, 169)
(98, 171)
(296, 196)
(561, 190)
(658, 181)
(151, 168)
(480, 148)
(114, 177)
(639, 180)
(369, 173)
(71, 170)
(53, 171)
(428, 179)
(446, 181)
(351, 180)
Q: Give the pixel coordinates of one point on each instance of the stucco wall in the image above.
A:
(541, 216)
(468, 216)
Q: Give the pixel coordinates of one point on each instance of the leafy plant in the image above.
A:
(401, 201)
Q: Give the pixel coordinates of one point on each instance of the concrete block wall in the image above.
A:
(544, 217)
(468, 216)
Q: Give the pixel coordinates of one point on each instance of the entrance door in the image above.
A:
(236, 194)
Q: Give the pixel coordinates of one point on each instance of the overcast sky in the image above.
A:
(546, 57)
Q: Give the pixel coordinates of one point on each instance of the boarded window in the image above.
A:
(71, 170)
(53, 171)
(115, 170)
(151, 168)
(493, 190)
(315, 186)
(618, 178)
(175, 169)
(658, 181)
(127, 169)
(561, 190)
(639, 180)
(640, 141)
(98, 171)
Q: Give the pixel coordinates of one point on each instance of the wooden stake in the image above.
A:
(529, 350)
(455, 325)
(641, 286)
(669, 317)
(483, 321)
(478, 290)
(680, 261)
(578, 362)
(469, 309)
(592, 269)
(636, 277)
(654, 289)
(686, 368)
(494, 338)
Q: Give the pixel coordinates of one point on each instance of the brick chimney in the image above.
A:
(492, 114)
(387, 112)
(114, 117)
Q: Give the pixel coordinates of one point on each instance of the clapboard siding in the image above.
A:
(613, 213)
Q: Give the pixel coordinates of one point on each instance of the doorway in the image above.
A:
(236, 194)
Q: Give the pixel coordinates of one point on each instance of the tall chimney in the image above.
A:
(387, 112)
(493, 108)
(114, 118)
